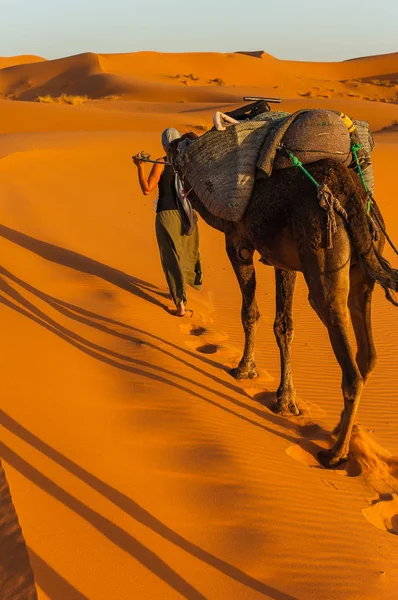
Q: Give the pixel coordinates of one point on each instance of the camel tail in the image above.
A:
(388, 279)
(370, 251)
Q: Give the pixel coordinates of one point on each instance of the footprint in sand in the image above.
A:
(208, 348)
(197, 316)
(305, 451)
(208, 335)
(197, 331)
(212, 342)
(383, 513)
(208, 345)
(209, 342)
(310, 411)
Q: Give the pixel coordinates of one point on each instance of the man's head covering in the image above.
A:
(168, 136)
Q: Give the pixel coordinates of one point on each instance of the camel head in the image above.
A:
(177, 148)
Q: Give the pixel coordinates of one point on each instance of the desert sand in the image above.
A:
(138, 468)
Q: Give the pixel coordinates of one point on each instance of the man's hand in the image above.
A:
(137, 159)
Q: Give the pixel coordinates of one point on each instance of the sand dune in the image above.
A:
(22, 59)
(138, 467)
(199, 76)
(371, 66)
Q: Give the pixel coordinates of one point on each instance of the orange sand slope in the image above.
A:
(138, 467)
(123, 115)
(23, 59)
(199, 77)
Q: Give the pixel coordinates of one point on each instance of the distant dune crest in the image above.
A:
(197, 77)
(254, 53)
(23, 59)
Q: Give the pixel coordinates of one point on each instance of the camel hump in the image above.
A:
(316, 135)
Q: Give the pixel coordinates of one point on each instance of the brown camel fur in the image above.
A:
(286, 226)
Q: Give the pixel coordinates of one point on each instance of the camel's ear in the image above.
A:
(186, 136)
(189, 136)
(177, 147)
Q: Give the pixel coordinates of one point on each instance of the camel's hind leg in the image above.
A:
(283, 329)
(244, 270)
(359, 302)
(328, 277)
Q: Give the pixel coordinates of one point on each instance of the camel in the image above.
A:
(286, 226)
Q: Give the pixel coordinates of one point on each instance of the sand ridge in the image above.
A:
(22, 59)
(199, 77)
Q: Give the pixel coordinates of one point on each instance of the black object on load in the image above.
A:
(259, 106)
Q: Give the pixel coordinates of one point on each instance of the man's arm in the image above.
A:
(148, 184)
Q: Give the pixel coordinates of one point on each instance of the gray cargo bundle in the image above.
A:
(221, 166)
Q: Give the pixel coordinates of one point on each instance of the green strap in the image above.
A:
(299, 164)
(354, 150)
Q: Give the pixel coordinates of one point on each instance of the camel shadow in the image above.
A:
(13, 299)
(141, 289)
(129, 507)
(115, 534)
(84, 264)
(51, 582)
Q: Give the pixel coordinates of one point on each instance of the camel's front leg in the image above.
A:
(283, 329)
(242, 261)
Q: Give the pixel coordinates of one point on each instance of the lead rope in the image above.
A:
(147, 159)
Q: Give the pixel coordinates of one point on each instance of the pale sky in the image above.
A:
(289, 29)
